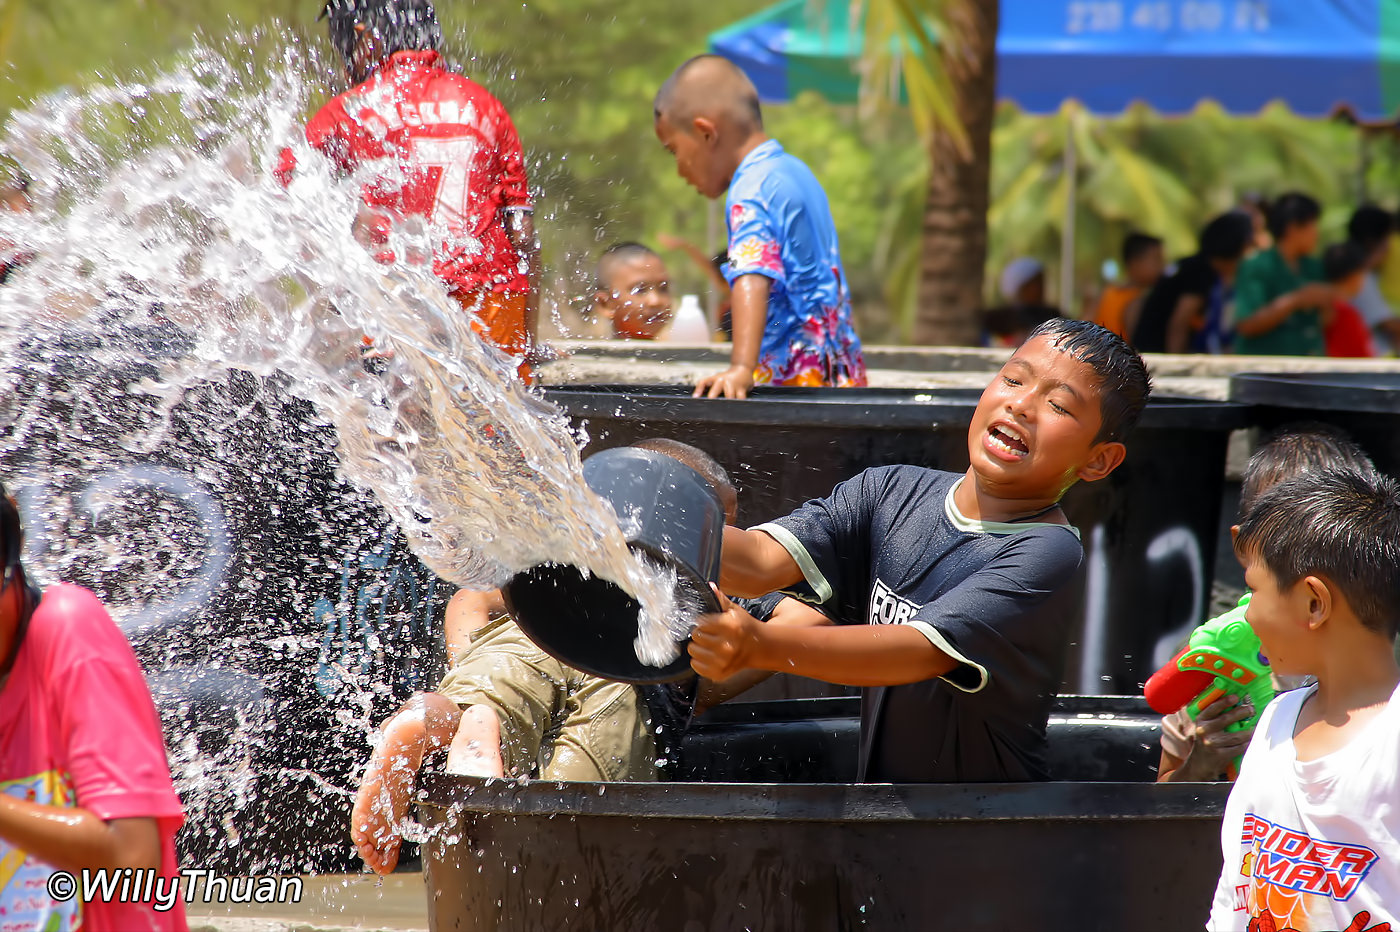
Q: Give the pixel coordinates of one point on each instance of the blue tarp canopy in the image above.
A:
(1316, 56)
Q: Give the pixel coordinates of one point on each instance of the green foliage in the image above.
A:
(1165, 176)
(579, 75)
(1142, 171)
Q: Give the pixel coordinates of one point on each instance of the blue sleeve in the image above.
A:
(1008, 623)
(755, 241)
(829, 539)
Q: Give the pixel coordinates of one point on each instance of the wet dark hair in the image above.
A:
(1137, 244)
(1343, 260)
(619, 252)
(1227, 236)
(1370, 226)
(1339, 524)
(1295, 449)
(397, 25)
(1123, 380)
(1290, 210)
(698, 460)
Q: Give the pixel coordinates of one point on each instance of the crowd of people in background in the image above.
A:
(1257, 284)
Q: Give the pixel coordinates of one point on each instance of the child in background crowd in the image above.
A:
(1202, 750)
(1311, 833)
(1371, 229)
(953, 595)
(84, 781)
(1143, 264)
(1344, 267)
(14, 197)
(1185, 311)
(1281, 303)
(1022, 285)
(791, 310)
(633, 292)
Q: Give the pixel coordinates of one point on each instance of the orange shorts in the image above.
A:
(501, 319)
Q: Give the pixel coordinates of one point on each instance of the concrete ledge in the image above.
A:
(637, 362)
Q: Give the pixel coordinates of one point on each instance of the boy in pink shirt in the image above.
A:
(84, 781)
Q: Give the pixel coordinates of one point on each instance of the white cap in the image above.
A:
(1017, 273)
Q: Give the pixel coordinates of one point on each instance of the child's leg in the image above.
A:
(424, 723)
(476, 748)
(513, 692)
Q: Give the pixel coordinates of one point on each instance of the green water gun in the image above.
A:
(1223, 657)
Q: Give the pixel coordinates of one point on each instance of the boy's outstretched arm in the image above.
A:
(858, 655)
(787, 613)
(753, 564)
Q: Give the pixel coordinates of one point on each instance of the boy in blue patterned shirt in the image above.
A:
(791, 307)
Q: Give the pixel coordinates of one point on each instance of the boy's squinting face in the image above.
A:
(1278, 616)
(1033, 433)
(696, 157)
(638, 298)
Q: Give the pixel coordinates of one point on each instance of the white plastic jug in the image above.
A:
(690, 324)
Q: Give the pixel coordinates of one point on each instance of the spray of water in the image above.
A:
(165, 256)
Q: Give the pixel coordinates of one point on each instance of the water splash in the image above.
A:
(180, 306)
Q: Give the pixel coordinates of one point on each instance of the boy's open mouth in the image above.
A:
(1007, 441)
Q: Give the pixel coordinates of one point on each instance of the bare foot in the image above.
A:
(476, 747)
(380, 807)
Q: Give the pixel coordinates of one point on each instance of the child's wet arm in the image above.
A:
(73, 839)
(748, 316)
(753, 564)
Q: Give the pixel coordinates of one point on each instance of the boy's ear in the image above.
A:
(1320, 600)
(1234, 534)
(603, 305)
(1103, 459)
(705, 128)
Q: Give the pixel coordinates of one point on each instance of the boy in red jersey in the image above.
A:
(445, 151)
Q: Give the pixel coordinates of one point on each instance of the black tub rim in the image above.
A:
(1318, 391)
(879, 408)
(441, 796)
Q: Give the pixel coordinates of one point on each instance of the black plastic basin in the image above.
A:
(638, 857)
(1101, 738)
(1149, 530)
(1364, 404)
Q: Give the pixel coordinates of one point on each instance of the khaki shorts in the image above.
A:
(557, 723)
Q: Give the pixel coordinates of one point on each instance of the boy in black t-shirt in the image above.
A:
(953, 595)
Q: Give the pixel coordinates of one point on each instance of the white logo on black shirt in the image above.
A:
(886, 608)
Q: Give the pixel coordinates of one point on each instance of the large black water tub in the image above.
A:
(777, 838)
(694, 857)
(1364, 404)
(1149, 530)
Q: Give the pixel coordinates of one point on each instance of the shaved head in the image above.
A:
(712, 87)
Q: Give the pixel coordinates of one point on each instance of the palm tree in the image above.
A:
(951, 84)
